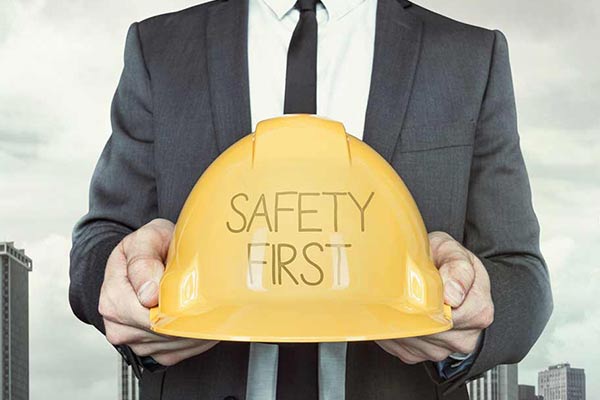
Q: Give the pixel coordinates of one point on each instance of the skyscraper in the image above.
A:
(14, 324)
(561, 382)
(499, 383)
(527, 392)
(128, 383)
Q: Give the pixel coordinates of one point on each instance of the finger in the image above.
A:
(457, 341)
(170, 346)
(145, 274)
(395, 349)
(146, 250)
(455, 264)
(118, 303)
(172, 358)
(116, 265)
(422, 348)
(118, 334)
(476, 312)
(458, 277)
(444, 248)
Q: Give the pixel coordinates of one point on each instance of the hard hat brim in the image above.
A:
(297, 323)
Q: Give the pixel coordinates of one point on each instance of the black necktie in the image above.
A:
(301, 74)
(297, 372)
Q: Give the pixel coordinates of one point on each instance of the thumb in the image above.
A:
(144, 275)
(146, 250)
(455, 265)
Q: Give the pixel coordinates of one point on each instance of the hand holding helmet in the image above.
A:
(130, 287)
(467, 290)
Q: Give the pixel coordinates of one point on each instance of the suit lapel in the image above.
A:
(397, 46)
(227, 50)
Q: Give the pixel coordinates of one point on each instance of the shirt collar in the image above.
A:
(335, 8)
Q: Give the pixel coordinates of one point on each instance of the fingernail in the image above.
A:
(147, 291)
(454, 293)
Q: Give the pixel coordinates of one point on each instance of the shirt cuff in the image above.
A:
(457, 363)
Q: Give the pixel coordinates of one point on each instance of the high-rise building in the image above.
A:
(527, 392)
(561, 382)
(14, 324)
(499, 383)
(128, 383)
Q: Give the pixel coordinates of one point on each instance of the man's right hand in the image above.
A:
(130, 289)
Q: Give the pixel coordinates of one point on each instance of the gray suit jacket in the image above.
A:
(441, 110)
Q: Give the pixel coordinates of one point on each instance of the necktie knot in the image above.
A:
(306, 5)
(301, 73)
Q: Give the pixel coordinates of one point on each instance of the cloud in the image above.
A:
(67, 358)
(60, 62)
(569, 214)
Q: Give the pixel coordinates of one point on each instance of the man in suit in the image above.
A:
(433, 96)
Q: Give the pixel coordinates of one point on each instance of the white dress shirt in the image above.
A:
(346, 40)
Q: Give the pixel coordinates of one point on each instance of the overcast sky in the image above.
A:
(59, 64)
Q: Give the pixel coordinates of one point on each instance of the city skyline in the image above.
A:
(528, 392)
(562, 382)
(499, 383)
(555, 382)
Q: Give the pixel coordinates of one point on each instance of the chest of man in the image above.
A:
(419, 114)
(414, 115)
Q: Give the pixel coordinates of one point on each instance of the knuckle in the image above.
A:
(102, 308)
(407, 357)
(140, 263)
(407, 360)
(460, 267)
(127, 240)
(106, 308)
(115, 337)
(167, 359)
(439, 356)
(116, 250)
(142, 238)
(163, 225)
(447, 245)
(141, 350)
(462, 346)
(142, 268)
(486, 316)
(147, 231)
(462, 270)
(439, 236)
(413, 361)
(459, 271)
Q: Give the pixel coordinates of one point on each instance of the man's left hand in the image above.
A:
(467, 291)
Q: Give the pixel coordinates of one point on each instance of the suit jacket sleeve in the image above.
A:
(123, 191)
(502, 229)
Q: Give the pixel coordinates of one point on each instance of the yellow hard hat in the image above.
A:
(300, 233)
